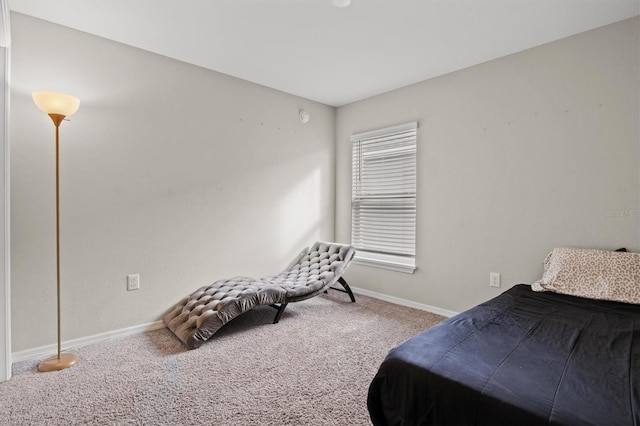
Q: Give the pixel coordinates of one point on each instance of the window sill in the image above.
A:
(388, 263)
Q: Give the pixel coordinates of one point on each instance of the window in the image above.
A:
(383, 197)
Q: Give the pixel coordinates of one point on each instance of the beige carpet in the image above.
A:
(313, 368)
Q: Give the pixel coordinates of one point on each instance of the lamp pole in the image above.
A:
(57, 119)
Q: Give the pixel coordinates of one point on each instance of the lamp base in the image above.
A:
(55, 363)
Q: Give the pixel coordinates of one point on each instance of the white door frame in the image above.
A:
(5, 248)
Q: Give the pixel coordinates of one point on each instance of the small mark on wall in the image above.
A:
(265, 125)
(538, 114)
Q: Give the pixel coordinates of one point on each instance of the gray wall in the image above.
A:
(180, 174)
(515, 156)
(185, 175)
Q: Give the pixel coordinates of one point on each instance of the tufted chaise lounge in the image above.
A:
(198, 316)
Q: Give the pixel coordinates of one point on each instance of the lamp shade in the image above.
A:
(56, 103)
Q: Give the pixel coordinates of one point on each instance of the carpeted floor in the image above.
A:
(313, 368)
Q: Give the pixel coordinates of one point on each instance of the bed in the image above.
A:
(523, 358)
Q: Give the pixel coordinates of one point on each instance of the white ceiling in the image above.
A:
(332, 55)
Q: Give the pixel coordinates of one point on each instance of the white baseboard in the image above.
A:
(47, 350)
(404, 302)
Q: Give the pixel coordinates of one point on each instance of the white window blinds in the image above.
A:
(383, 200)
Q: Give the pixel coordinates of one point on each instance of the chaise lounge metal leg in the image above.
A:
(280, 309)
(347, 289)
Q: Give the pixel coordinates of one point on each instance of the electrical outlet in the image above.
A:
(494, 279)
(133, 282)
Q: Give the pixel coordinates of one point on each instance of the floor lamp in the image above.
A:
(57, 106)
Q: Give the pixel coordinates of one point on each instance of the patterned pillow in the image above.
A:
(594, 274)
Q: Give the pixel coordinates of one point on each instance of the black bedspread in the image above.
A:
(522, 358)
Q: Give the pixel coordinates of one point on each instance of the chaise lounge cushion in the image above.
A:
(315, 270)
(199, 315)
